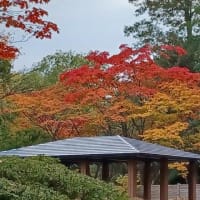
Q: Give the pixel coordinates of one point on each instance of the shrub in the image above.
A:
(45, 179)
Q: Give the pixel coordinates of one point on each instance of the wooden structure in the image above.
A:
(106, 149)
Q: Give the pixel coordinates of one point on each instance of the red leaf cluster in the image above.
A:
(7, 52)
(179, 50)
(22, 14)
(130, 72)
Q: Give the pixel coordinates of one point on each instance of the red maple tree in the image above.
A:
(129, 94)
(23, 15)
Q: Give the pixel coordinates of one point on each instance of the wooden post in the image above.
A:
(132, 178)
(192, 180)
(147, 180)
(84, 167)
(164, 179)
(105, 170)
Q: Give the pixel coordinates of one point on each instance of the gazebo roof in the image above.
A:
(102, 147)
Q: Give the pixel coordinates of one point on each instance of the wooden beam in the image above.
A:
(164, 179)
(192, 180)
(147, 180)
(84, 167)
(132, 178)
(105, 170)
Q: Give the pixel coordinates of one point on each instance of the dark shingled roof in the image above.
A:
(101, 147)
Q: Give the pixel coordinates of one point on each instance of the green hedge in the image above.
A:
(43, 178)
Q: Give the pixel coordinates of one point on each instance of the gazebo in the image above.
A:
(106, 149)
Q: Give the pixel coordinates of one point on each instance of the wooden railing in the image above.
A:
(175, 192)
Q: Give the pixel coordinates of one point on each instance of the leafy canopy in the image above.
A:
(130, 94)
(169, 22)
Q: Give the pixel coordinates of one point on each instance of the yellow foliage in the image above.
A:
(181, 167)
(169, 135)
(122, 182)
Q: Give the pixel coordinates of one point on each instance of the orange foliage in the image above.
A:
(124, 94)
(46, 110)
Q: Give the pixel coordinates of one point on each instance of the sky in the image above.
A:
(84, 26)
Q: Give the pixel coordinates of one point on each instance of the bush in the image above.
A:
(45, 179)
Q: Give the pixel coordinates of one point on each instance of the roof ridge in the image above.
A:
(123, 140)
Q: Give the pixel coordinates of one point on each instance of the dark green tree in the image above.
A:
(5, 76)
(175, 22)
(5, 90)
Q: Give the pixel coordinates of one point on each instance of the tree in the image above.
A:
(15, 131)
(27, 16)
(18, 15)
(46, 72)
(41, 81)
(13, 139)
(49, 68)
(169, 22)
(45, 109)
(130, 94)
(23, 15)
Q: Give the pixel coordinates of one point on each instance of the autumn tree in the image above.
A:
(127, 94)
(29, 17)
(39, 99)
(23, 15)
(45, 109)
(169, 22)
(130, 94)
(31, 123)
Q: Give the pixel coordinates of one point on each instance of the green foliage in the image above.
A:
(22, 138)
(59, 62)
(5, 68)
(45, 178)
(5, 118)
(51, 66)
(5, 78)
(10, 190)
(47, 71)
(169, 22)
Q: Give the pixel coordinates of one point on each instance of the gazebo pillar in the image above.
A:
(105, 170)
(192, 180)
(147, 180)
(164, 179)
(132, 178)
(84, 167)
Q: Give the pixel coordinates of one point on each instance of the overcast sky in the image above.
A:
(84, 25)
